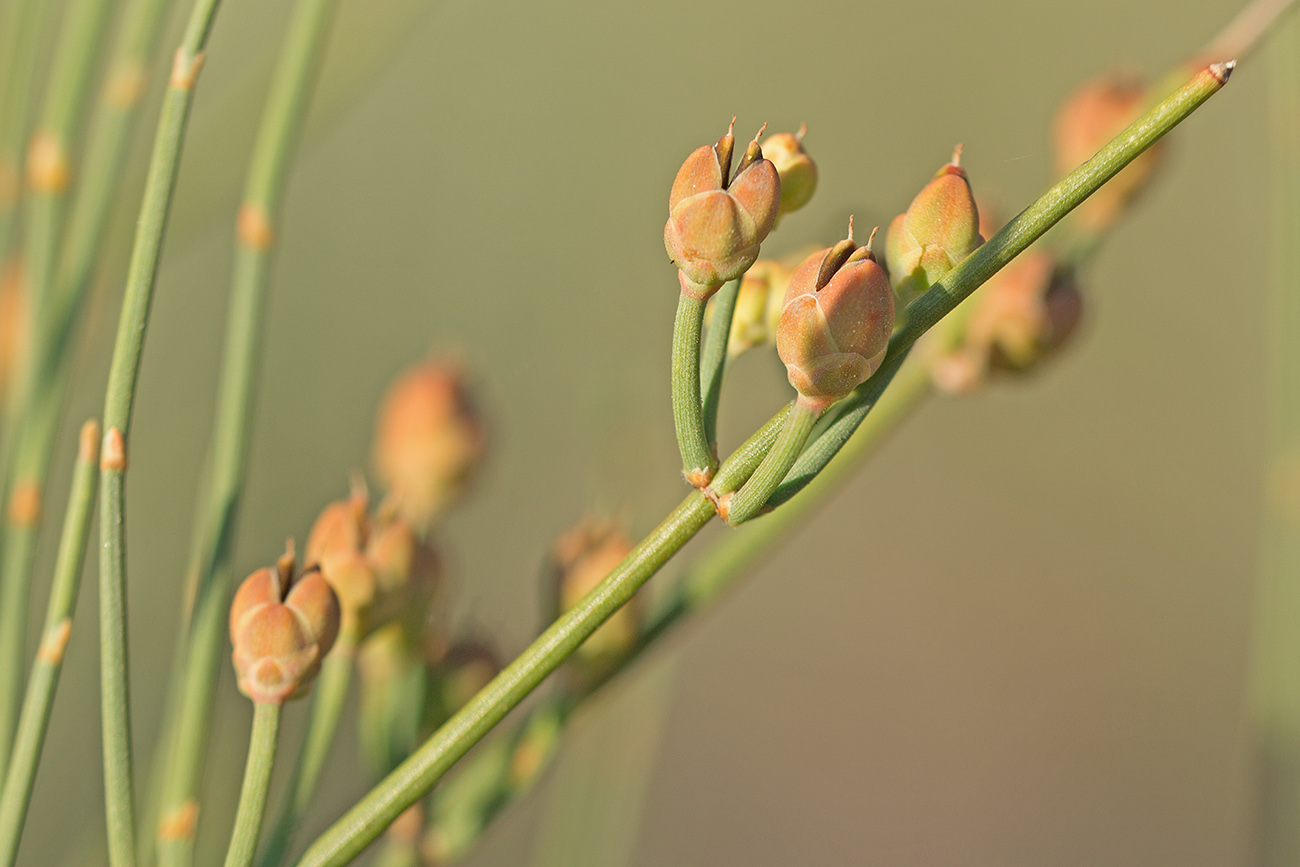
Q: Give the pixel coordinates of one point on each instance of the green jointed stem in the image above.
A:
(747, 501)
(697, 457)
(713, 364)
(119, 400)
(21, 775)
(328, 697)
(28, 455)
(190, 705)
(257, 782)
(21, 33)
(979, 266)
(365, 821)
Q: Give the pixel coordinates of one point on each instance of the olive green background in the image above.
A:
(1020, 636)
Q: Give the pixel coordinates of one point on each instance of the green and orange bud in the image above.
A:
(336, 545)
(581, 558)
(938, 230)
(716, 220)
(429, 441)
(797, 171)
(1086, 121)
(836, 322)
(758, 306)
(407, 573)
(280, 630)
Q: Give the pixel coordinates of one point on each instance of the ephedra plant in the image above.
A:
(941, 300)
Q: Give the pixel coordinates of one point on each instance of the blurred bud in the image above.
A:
(407, 573)
(280, 632)
(717, 222)
(335, 545)
(797, 171)
(537, 745)
(429, 441)
(1023, 315)
(582, 558)
(758, 306)
(836, 322)
(466, 667)
(13, 322)
(391, 686)
(1086, 121)
(938, 230)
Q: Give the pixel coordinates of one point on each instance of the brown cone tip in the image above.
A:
(1222, 71)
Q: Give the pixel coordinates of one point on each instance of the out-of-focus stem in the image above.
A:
(38, 402)
(119, 401)
(1275, 675)
(191, 700)
(44, 678)
(21, 34)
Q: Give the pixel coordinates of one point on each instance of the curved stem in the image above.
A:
(119, 401)
(190, 700)
(44, 678)
(367, 819)
(257, 782)
(328, 697)
(713, 365)
(698, 462)
(751, 497)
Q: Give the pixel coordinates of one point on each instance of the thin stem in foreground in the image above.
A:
(698, 461)
(367, 819)
(257, 782)
(713, 363)
(119, 401)
(44, 679)
(190, 698)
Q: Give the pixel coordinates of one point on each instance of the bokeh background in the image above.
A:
(1019, 636)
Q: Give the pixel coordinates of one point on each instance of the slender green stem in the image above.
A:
(365, 821)
(44, 679)
(713, 365)
(698, 461)
(751, 497)
(119, 401)
(257, 782)
(1014, 237)
(27, 451)
(1275, 662)
(278, 135)
(20, 42)
(329, 695)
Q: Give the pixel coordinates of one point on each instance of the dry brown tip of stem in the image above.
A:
(762, 129)
(253, 227)
(48, 170)
(125, 85)
(803, 131)
(179, 822)
(185, 69)
(1222, 71)
(88, 444)
(871, 238)
(55, 642)
(113, 455)
(956, 155)
(25, 503)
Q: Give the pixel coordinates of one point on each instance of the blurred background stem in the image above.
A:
(1276, 664)
(200, 645)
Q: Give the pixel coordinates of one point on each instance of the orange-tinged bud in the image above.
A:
(13, 322)
(429, 441)
(280, 632)
(335, 545)
(758, 306)
(938, 230)
(1024, 314)
(406, 570)
(836, 322)
(581, 559)
(1087, 120)
(717, 222)
(797, 171)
